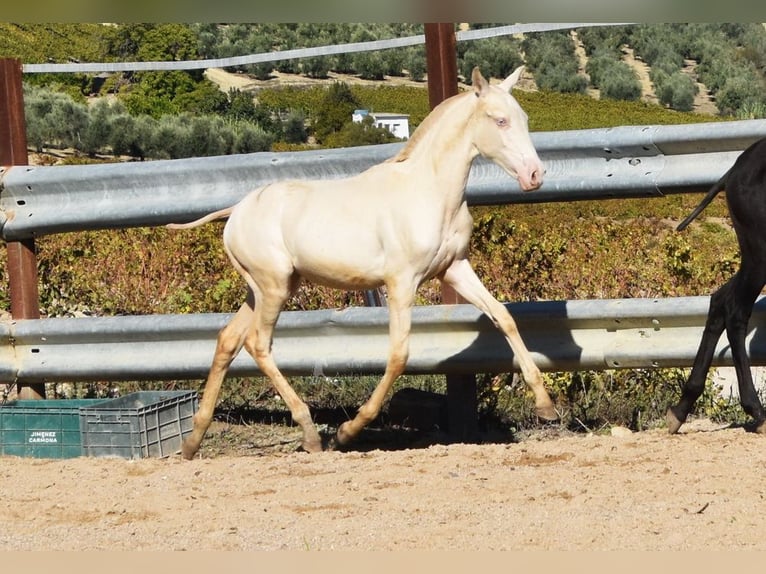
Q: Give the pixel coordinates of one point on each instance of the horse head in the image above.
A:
(501, 131)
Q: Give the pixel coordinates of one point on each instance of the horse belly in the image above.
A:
(335, 260)
(341, 274)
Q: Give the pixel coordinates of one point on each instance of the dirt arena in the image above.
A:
(699, 490)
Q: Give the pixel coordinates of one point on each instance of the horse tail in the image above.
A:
(717, 187)
(220, 214)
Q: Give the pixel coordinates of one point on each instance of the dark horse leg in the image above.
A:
(695, 385)
(730, 309)
(732, 305)
(745, 292)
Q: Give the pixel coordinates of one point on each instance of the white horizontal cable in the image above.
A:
(82, 67)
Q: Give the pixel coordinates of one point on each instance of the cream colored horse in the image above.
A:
(397, 224)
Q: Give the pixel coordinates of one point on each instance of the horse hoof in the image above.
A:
(547, 413)
(188, 452)
(673, 422)
(343, 435)
(312, 445)
(761, 428)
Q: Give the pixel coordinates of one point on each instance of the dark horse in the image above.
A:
(732, 304)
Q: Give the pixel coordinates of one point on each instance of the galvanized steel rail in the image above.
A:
(604, 163)
(562, 336)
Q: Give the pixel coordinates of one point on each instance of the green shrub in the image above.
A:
(335, 110)
(676, 91)
(496, 57)
(53, 119)
(621, 83)
(737, 91)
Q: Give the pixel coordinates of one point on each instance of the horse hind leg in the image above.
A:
(737, 318)
(229, 343)
(258, 343)
(695, 384)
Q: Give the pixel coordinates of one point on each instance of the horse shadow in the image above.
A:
(540, 325)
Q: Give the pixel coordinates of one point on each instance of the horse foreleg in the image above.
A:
(400, 320)
(461, 276)
(230, 340)
(258, 343)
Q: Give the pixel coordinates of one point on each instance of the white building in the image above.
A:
(397, 124)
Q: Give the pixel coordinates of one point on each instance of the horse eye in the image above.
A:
(501, 122)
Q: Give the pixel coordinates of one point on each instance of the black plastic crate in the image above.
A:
(139, 425)
(47, 428)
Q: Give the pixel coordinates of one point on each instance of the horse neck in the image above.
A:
(441, 146)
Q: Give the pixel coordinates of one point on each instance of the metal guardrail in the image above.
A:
(446, 339)
(628, 161)
(567, 335)
(562, 335)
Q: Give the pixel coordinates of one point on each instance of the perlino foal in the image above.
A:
(397, 224)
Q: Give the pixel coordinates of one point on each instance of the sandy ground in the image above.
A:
(699, 490)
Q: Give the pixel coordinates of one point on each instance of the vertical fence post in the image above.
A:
(441, 67)
(22, 260)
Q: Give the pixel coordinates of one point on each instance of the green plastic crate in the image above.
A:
(47, 428)
(139, 425)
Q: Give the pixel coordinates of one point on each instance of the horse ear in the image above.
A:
(478, 81)
(511, 80)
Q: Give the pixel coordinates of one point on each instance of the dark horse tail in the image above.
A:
(715, 190)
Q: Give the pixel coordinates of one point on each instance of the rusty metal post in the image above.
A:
(441, 62)
(441, 67)
(22, 261)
